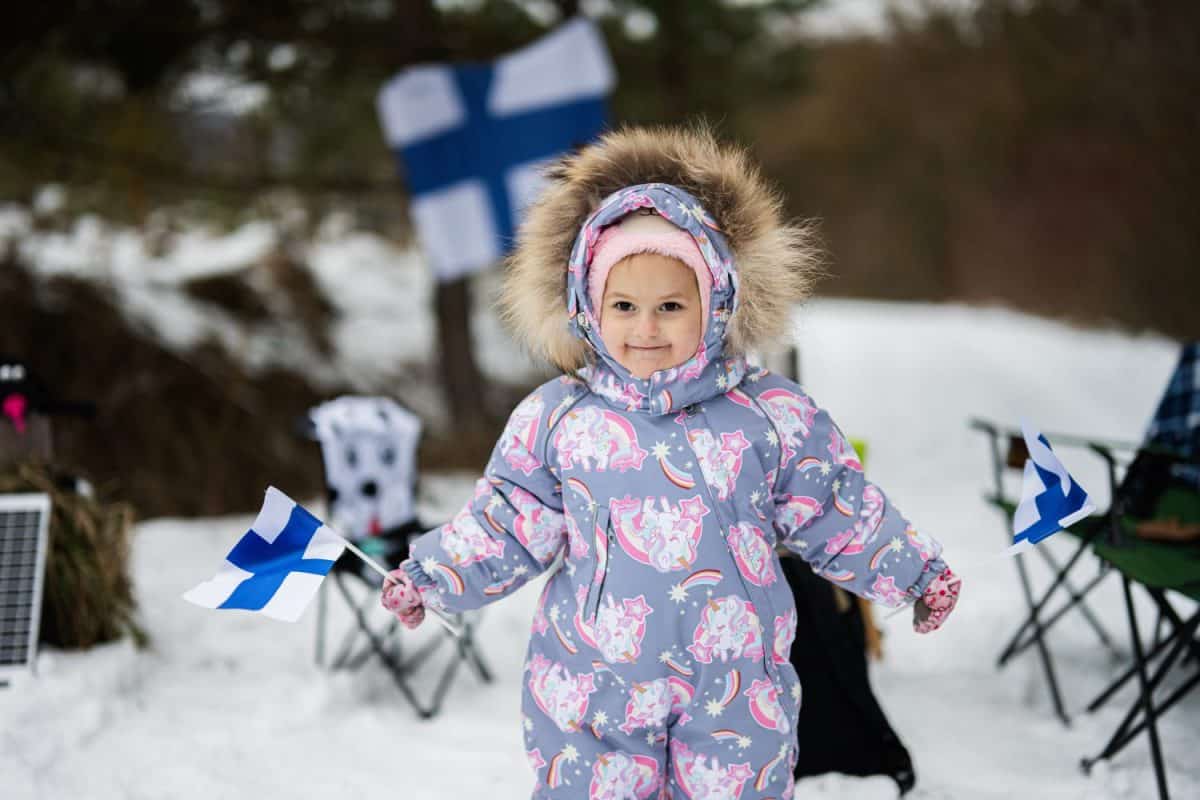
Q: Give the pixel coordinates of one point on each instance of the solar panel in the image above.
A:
(24, 519)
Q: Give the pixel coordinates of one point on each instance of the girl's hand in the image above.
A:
(401, 598)
(938, 600)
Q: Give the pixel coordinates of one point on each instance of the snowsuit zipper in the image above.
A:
(603, 531)
(690, 412)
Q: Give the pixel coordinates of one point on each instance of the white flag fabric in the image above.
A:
(276, 568)
(471, 139)
(1051, 499)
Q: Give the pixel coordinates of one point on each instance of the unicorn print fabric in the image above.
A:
(658, 660)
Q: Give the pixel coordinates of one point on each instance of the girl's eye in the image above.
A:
(623, 305)
(671, 305)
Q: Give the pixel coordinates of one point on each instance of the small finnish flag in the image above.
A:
(277, 567)
(1051, 500)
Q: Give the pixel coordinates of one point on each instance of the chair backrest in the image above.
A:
(369, 448)
(1175, 429)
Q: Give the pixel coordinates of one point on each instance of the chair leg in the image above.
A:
(1178, 626)
(1125, 734)
(472, 653)
(394, 667)
(1147, 701)
(1021, 642)
(1077, 597)
(1165, 607)
(1043, 650)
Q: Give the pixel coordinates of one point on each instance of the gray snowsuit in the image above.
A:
(658, 660)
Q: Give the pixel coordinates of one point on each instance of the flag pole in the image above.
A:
(1017, 549)
(375, 565)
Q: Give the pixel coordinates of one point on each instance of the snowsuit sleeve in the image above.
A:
(513, 528)
(844, 526)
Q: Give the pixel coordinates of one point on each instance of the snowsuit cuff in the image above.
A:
(431, 594)
(933, 567)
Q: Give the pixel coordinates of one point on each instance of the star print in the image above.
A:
(554, 614)
(570, 754)
(743, 742)
(896, 545)
(527, 723)
(600, 718)
(772, 437)
(722, 382)
(521, 570)
(837, 484)
(429, 564)
(826, 468)
(661, 450)
(795, 691)
(592, 505)
(650, 737)
(494, 501)
(714, 708)
(755, 496)
(678, 594)
(664, 656)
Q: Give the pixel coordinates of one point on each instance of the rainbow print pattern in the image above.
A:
(733, 685)
(454, 581)
(701, 577)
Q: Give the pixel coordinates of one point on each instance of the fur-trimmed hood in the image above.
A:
(776, 261)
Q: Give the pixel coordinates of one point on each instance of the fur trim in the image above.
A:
(776, 261)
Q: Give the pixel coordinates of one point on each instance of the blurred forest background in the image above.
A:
(1037, 153)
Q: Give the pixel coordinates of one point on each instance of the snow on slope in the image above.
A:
(231, 706)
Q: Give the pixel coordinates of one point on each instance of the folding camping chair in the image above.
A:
(1161, 558)
(368, 446)
(1008, 451)
(1162, 569)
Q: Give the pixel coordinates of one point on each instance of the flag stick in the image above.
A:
(373, 564)
(1023, 546)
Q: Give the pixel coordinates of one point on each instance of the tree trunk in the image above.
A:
(462, 383)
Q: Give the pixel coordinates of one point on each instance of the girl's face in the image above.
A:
(650, 318)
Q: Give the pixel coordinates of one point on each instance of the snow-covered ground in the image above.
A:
(227, 705)
(232, 705)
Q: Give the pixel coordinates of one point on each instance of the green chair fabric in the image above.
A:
(1161, 565)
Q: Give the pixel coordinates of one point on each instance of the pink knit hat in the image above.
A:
(645, 233)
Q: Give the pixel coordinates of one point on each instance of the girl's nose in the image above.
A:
(647, 325)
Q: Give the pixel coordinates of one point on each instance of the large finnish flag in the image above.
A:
(1051, 500)
(472, 138)
(277, 567)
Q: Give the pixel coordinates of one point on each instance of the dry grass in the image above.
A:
(87, 597)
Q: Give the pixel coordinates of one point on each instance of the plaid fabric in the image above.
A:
(1176, 423)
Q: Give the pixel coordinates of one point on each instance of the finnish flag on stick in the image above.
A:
(277, 567)
(472, 139)
(1051, 500)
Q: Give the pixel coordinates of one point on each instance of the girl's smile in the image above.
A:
(650, 319)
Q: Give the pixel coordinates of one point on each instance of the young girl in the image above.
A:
(665, 470)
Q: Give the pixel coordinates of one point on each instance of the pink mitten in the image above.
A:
(936, 603)
(401, 598)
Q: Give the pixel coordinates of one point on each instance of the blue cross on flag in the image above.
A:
(472, 138)
(277, 567)
(1050, 499)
